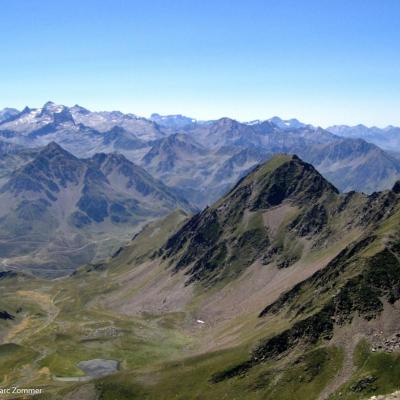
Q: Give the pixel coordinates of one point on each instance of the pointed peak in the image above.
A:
(26, 110)
(59, 113)
(79, 109)
(51, 108)
(282, 177)
(396, 187)
(53, 149)
(53, 146)
(275, 162)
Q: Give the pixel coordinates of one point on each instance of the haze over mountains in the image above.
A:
(387, 138)
(58, 211)
(203, 159)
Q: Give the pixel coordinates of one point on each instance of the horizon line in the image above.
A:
(243, 121)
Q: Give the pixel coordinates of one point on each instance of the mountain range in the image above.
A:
(284, 288)
(58, 211)
(204, 159)
(109, 159)
(386, 138)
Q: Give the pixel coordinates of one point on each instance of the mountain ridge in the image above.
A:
(73, 196)
(232, 148)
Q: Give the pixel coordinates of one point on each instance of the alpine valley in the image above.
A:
(168, 258)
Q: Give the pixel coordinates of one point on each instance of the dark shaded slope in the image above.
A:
(227, 237)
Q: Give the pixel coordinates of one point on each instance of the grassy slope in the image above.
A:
(375, 373)
(147, 342)
(299, 375)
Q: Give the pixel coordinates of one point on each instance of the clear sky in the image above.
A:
(322, 61)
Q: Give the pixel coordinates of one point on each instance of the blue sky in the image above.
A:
(322, 61)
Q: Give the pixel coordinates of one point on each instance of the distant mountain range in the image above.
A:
(204, 159)
(387, 138)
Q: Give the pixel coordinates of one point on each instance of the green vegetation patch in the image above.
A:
(307, 376)
(376, 373)
(13, 357)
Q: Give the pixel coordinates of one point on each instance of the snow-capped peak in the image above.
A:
(51, 107)
(287, 124)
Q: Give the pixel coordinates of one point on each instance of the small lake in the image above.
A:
(98, 367)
